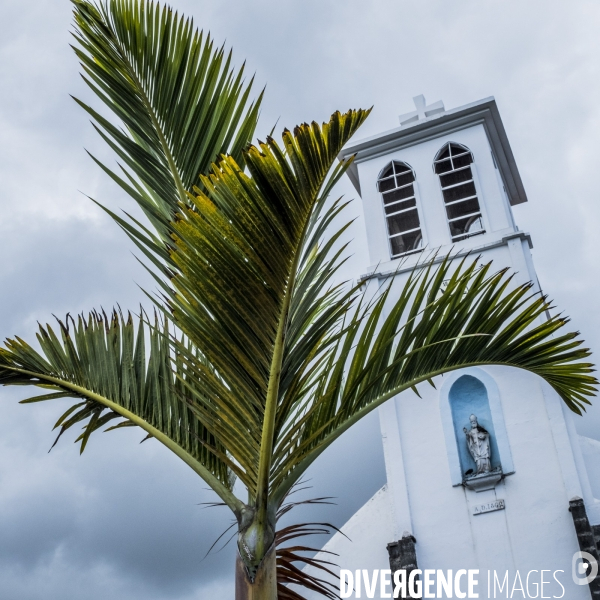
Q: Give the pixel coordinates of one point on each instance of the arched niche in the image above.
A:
(468, 396)
(465, 392)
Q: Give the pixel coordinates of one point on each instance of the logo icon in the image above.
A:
(584, 568)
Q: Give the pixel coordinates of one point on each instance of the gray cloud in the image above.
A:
(122, 521)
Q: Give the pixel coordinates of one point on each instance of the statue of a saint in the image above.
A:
(478, 442)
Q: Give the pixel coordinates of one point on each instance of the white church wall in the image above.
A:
(539, 525)
(575, 466)
(535, 531)
(521, 263)
(528, 517)
(439, 516)
(545, 464)
(592, 507)
(396, 477)
(365, 547)
(590, 450)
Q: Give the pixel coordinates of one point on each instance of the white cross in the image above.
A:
(423, 111)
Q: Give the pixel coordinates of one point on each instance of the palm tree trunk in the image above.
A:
(264, 586)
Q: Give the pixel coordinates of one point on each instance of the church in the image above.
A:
(486, 470)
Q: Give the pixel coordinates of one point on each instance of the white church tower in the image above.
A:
(508, 489)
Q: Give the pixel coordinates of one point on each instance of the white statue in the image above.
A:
(478, 442)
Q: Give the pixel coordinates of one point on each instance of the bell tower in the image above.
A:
(485, 471)
(442, 179)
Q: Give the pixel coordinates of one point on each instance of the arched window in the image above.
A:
(396, 185)
(453, 165)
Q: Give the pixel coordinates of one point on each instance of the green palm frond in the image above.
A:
(115, 372)
(237, 255)
(176, 94)
(444, 318)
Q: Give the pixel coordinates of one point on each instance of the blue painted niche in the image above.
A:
(469, 396)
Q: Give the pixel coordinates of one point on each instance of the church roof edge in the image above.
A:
(483, 111)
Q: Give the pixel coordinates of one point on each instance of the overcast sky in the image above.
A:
(123, 520)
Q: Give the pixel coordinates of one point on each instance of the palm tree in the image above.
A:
(256, 360)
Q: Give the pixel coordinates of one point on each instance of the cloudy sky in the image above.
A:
(124, 521)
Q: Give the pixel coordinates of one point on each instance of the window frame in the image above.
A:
(416, 207)
(473, 180)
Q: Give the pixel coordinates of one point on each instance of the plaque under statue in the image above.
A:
(478, 443)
